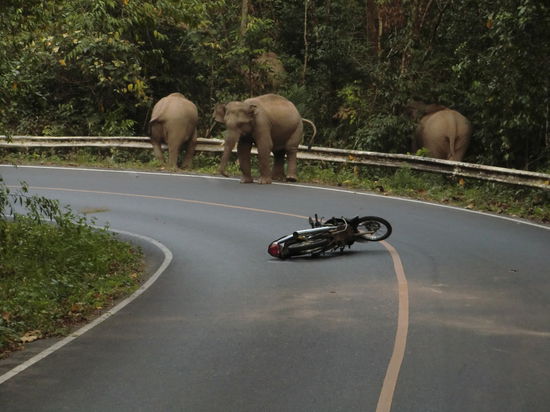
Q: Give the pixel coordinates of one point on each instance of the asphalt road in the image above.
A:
(228, 328)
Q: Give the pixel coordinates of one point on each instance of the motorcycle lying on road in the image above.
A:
(330, 235)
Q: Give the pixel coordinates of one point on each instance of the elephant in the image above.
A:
(266, 73)
(273, 124)
(174, 122)
(445, 133)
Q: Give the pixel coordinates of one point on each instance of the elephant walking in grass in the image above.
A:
(272, 124)
(445, 133)
(174, 122)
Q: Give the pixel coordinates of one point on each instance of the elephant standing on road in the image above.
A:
(273, 124)
(445, 133)
(174, 122)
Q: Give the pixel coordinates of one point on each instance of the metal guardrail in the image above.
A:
(355, 157)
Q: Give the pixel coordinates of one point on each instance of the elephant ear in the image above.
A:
(219, 112)
(252, 110)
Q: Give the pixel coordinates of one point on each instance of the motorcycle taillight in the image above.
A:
(274, 250)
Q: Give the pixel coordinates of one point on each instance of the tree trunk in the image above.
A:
(306, 44)
(244, 18)
(372, 26)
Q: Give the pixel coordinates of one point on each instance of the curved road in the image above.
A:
(462, 325)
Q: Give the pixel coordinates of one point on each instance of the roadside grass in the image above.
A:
(499, 198)
(473, 194)
(59, 274)
(57, 270)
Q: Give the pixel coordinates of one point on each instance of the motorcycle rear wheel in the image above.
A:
(374, 228)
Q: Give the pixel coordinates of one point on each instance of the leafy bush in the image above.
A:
(68, 67)
(54, 275)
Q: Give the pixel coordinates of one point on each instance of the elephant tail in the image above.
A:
(157, 131)
(154, 120)
(452, 136)
(146, 124)
(314, 132)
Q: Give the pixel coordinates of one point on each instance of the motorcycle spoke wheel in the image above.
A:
(374, 228)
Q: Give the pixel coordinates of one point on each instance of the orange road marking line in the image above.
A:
(394, 366)
(178, 199)
(392, 373)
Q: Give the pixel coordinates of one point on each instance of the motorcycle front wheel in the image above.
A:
(373, 228)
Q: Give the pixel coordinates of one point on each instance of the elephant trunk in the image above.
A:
(210, 129)
(230, 141)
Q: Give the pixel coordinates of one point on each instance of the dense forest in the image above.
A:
(76, 67)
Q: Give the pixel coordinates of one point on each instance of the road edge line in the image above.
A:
(398, 354)
(168, 256)
(297, 185)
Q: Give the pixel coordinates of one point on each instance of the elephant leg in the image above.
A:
(452, 142)
(264, 157)
(460, 152)
(173, 153)
(460, 146)
(243, 152)
(292, 151)
(225, 159)
(291, 156)
(190, 151)
(279, 165)
(157, 150)
(230, 140)
(157, 137)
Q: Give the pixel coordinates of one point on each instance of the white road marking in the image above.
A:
(297, 185)
(46, 352)
(392, 372)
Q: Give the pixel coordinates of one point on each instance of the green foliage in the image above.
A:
(87, 68)
(72, 67)
(499, 198)
(55, 275)
(507, 86)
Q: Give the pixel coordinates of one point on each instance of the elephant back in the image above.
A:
(281, 112)
(447, 120)
(174, 106)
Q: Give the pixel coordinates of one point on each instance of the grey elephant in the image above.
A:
(266, 73)
(174, 122)
(445, 133)
(270, 122)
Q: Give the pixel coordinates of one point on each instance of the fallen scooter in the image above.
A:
(330, 235)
